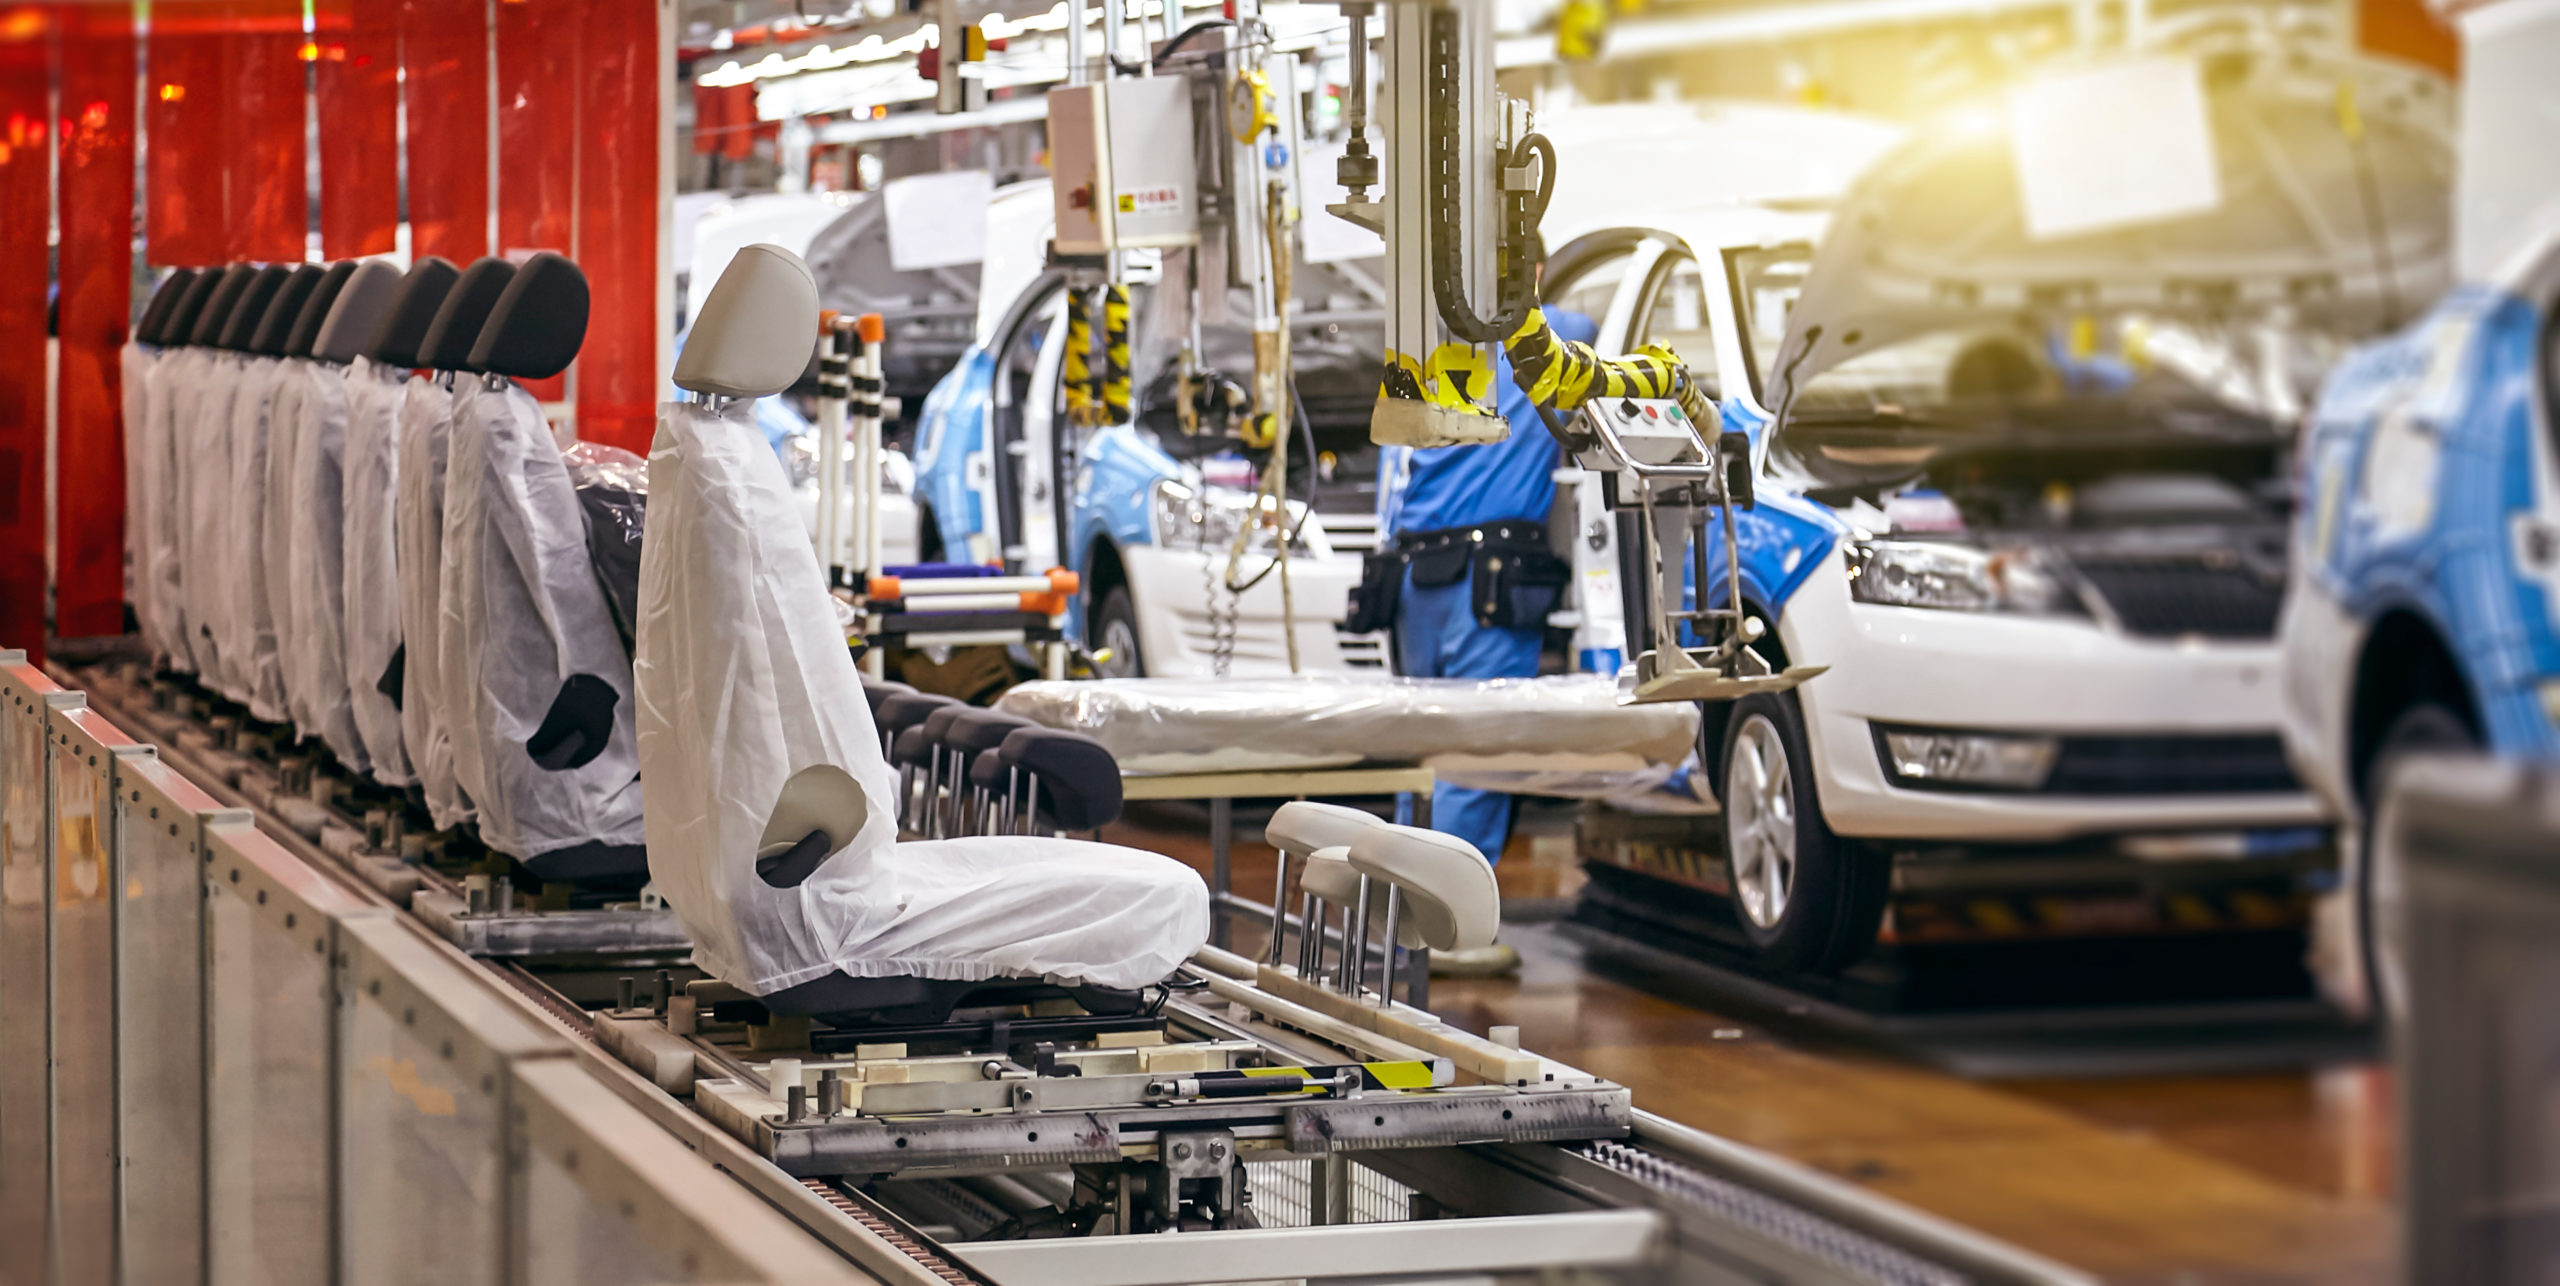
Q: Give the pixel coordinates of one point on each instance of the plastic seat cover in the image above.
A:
(745, 681)
(370, 567)
(426, 728)
(536, 675)
(315, 555)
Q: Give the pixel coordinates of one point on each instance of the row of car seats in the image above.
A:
(351, 518)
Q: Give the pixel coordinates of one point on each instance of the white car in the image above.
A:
(2026, 499)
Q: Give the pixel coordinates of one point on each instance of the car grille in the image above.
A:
(2215, 595)
(2193, 765)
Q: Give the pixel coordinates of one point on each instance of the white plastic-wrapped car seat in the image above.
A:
(204, 452)
(175, 388)
(141, 354)
(317, 400)
(260, 599)
(530, 649)
(425, 417)
(368, 599)
(270, 545)
(772, 818)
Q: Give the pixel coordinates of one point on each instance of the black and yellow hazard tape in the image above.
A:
(1115, 353)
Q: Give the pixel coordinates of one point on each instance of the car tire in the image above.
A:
(1807, 899)
(1115, 633)
(2425, 728)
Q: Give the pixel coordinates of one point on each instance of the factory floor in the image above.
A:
(2197, 1180)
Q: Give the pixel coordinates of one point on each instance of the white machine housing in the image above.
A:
(1124, 176)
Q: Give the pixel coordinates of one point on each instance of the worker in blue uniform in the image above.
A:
(1468, 524)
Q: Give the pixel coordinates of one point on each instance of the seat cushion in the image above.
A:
(1078, 779)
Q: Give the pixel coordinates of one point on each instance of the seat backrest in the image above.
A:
(754, 334)
(539, 321)
(1450, 898)
(465, 310)
(283, 308)
(1302, 826)
(249, 308)
(1079, 780)
(154, 326)
(413, 312)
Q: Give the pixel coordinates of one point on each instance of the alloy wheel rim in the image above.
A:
(1122, 643)
(1762, 830)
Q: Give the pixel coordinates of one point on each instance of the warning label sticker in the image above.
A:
(1155, 200)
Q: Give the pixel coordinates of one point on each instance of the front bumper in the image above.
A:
(1172, 593)
(1963, 670)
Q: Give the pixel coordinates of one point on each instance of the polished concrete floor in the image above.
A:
(2257, 1178)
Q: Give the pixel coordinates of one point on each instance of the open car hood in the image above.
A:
(1937, 235)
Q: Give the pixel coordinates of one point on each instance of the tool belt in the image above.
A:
(1517, 579)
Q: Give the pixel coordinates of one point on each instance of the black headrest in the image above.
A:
(980, 731)
(250, 311)
(315, 308)
(164, 301)
(1079, 780)
(937, 726)
(875, 691)
(285, 308)
(351, 325)
(447, 346)
(413, 310)
(990, 772)
(538, 324)
(207, 332)
(907, 709)
(180, 327)
(911, 747)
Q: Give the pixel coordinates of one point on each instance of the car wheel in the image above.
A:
(1115, 637)
(1806, 898)
(2425, 728)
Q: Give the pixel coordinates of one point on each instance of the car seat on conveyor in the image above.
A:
(535, 669)
(772, 828)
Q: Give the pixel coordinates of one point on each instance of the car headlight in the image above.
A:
(1982, 760)
(1188, 517)
(1952, 577)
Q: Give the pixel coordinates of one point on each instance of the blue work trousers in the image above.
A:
(1437, 637)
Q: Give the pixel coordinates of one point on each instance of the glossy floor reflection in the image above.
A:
(2260, 1178)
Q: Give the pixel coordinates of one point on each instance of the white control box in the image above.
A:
(1121, 165)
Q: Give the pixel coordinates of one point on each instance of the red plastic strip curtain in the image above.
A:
(356, 48)
(95, 177)
(185, 110)
(444, 45)
(540, 46)
(226, 175)
(25, 201)
(269, 193)
(618, 226)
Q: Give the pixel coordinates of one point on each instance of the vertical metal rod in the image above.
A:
(1279, 913)
(1357, 946)
(1342, 955)
(1031, 809)
(1075, 42)
(1310, 932)
(1387, 950)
